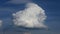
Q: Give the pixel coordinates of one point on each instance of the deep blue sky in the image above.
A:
(51, 7)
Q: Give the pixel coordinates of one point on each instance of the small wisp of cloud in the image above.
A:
(19, 1)
(0, 23)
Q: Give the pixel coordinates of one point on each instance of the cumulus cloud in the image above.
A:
(19, 1)
(0, 23)
(32, 16)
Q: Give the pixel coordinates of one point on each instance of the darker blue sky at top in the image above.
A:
(51, 7)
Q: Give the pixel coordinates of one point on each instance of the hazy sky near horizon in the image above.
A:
(51, 7)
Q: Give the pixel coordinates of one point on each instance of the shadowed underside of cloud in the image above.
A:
(32, 16)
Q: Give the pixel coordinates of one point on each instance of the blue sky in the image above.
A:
(51, 7)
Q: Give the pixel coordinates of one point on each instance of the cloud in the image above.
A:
(18, 1)
(32, 16)
(0, 23)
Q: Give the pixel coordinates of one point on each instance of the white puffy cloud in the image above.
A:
(19, 1)
(0, 23)
(32, 16)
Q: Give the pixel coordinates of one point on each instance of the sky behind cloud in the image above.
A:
(51, 7)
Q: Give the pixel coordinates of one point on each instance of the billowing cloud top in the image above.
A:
(32, 16)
